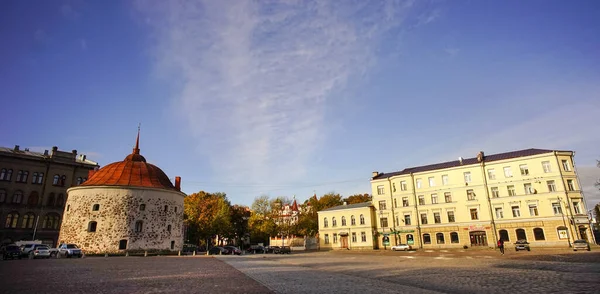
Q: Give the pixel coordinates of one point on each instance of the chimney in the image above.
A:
(16, 147)
(178, 183)
(54, 149)
(375, 173)
(27, 149)
(83, 157)
(74, 152)
(45, 152)
(460, 159)
(480, 156)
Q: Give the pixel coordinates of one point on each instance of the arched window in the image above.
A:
(362, 219)
(19, 176)
(96, 207)
(34, 177)
(40, 178)
(2, 174)
(25, 176)
(60, 201)
(142, 207)
(55, 180)
(123, 244)
(426, 239)
(50, 201)
(92, 226)
(439, 237)
(2, 195)
(454, 237)
(51, 222)
(343, 221)
(333, 222)
(352, 220)
(17, 197)
(11, 220)
(504, 235)
(325, 223)
(139, 226)
(410, 239)
(169, 228)
(63, 180)
(538, 234)
(28, 221)
(521, 234)
(33, 199)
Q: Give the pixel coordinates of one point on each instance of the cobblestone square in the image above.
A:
(425, 271)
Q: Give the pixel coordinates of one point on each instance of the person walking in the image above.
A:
(501, 246)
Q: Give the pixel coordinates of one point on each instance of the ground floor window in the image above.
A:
(504, 235)
(363, 237)
(326, 238)
(439, 237)
(454, 237)
(122, 244)
(538, 233)
(521, 234)
(353, 237)
(172, 245)
(562, 232)
(426, 239)
(334, 238)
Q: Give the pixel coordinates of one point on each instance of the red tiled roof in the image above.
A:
(466, 161)
(134, 171)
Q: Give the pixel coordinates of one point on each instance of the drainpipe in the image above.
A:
(572, 227)
(591, 229)
(487, 195)
(393, 214)
(414, 190)
(42, 198)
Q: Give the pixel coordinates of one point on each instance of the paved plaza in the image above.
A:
(431, 271)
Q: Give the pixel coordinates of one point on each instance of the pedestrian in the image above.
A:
(501, 246)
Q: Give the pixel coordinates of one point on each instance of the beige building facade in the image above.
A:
(348, 226)
(531, 195)
(33, 191)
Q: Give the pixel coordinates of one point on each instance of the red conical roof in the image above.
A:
(134, 171)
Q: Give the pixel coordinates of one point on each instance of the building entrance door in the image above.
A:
(344, 241)
(478, 238)
(583, 233)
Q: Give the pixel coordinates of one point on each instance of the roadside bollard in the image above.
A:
(126, 253)
(145, 253)
(194, 253)
(179, 253)
(105, 254)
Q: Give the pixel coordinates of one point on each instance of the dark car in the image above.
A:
(581, 245)
(256, 249)
(282, 250)
(271, 249)
(218, 251)
(522, 245)
(233, 250)
(11, 251)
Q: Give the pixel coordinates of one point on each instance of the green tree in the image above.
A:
(206, 215)
(261, 223)
(358, 198)
(308, 222)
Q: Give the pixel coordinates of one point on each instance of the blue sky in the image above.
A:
(296, 97)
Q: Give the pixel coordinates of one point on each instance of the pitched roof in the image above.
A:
(466, 161)
(349, 206)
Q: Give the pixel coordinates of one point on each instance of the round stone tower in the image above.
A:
(126, 205)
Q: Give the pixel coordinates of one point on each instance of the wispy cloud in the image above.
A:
(258, 76)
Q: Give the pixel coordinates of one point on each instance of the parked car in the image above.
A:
(40, 252)
(581, 245)
(11, 251)
(256, 249)
(270, 249)
(217, 250)
(27, 248)
(233, 250)
(522, 245)
(66, 250)
(282, 250)
(402, 247)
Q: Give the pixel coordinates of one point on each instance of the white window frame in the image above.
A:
(514, 192)
(403, 186)
(546, 166)
(431, 181)
(571, 185)
(517, 209)
(491, 174)
(524, 169)
(508, 172)
(528, 188)
(499, 212)
(495, 192)
(444, 180)
(380, 190)
(566, 165)
(467, 176)
(434, 198)
(533, 210)
(419, 183)
(557, 208)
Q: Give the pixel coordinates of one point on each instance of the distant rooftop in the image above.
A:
(54, 154)
(467, 161)
(349, 206)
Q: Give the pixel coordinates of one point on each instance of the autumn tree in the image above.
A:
(207, 215)
(308, 222)
(358, 198)
(261, 223)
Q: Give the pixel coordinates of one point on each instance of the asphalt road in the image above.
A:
(378, 272)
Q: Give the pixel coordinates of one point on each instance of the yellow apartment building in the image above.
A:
(531, 194)
(348, 226)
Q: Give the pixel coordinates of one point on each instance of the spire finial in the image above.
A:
(136, 150)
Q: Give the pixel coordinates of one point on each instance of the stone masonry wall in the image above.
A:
(119, 210)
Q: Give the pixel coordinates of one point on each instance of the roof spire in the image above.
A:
(136, 150)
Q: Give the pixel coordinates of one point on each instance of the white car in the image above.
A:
(403, 247)
(40, 252)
